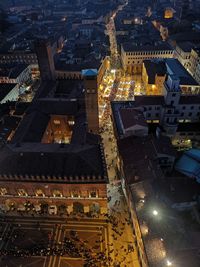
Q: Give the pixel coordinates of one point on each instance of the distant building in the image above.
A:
(132, 57)
(19, 57)
(45, 60)
(154, 73)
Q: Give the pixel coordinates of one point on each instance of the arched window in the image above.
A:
(57, 193)
(39, 193)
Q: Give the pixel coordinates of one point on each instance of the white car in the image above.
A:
(53, 210)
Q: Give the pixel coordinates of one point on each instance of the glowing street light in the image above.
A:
(169, 263)
(155, 212)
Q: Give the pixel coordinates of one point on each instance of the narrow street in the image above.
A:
(115, 87)
(122, 235)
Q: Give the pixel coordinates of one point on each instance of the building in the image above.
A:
(91, 99)
(154, 73)
(45, 60)
(142, 161)
(183, 53)
(132, 57)
(19, 57)
(74, 71)
(8, 92)
(15, 74)
(132, 122)
(172, 108)
(51, 157)
(194, 66)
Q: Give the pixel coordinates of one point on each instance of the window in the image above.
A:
(22, 192)
(150, 108)
(3, 191)
(148, 115)
(182, 114)
(173, 95)
(56, 122)
(190, 114)
(57, 193)
(93, 194)
(157, 114)
(39, 193)
(192, 107)
(75, 194)
(183, 107)
(71, 122)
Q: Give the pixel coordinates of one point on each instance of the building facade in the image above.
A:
(172, 108)
(194, 67)
(132, 57)
(154, 73)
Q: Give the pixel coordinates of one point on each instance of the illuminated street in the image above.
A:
(122, 234)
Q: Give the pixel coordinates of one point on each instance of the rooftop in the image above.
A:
(53, 162)
(189, 164)
(131, 117)
(185, 46)
(153, 68)
(5, 88)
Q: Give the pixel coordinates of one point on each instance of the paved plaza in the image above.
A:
(51, 243)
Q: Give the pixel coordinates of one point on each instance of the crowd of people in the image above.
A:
(95, 253)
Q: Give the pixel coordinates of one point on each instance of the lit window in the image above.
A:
(57, 193)
(71, 122)
(39, 193)
(3, 191)
(93, 194)
(75, 194)
(57, 122)
(22, 192)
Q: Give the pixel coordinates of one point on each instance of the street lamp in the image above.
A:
(169, 263)
(155, 212)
